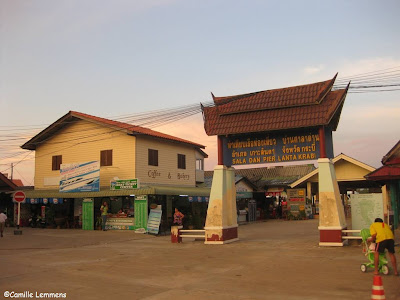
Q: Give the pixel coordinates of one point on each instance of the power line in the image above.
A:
(361, 83)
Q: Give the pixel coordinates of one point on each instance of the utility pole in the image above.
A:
(12, 170)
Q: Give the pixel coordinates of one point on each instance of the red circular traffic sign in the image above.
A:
(19, 196)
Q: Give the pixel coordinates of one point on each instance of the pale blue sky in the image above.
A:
(109, 58)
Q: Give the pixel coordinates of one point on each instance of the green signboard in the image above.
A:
(124, 184)
(87, 214)
(141, 212)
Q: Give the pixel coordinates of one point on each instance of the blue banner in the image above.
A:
(80, 177)
(275, 147)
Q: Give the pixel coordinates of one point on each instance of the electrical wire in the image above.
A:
(374, 81)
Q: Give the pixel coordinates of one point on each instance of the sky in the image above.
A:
(112, 58)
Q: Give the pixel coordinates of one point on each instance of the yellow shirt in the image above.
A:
(382, 231)
(104, 210)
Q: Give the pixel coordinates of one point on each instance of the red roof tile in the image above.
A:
(385, 173)
(393, 156)
(278, 98)
(18, 182)
(294, 107)
(6, 184)
(128, 128)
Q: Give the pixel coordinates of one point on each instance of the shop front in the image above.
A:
(128, 209)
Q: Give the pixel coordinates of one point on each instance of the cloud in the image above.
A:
(313, 69)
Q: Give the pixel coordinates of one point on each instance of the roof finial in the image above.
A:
(212, 95)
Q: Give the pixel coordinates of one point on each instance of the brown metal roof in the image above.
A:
(6, 184)
(118, 126)
(288, 108)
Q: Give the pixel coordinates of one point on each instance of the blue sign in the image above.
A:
(153, 223)
(275, 147)
(198, 199)
(80, 177)
(42, 200)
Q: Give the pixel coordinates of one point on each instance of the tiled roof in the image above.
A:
(393, 156)
(128, 128)
(391, 168)
(277, 98)
(294, 107)
(18, 182)
(385, 173)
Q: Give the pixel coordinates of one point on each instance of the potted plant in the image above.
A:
(99, 222)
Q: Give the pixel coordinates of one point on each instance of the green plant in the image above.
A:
(99, 222)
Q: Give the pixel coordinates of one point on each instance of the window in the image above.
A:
(200, 164)
(181, 161)
(106, 158)
(56, 162)
(153, 157)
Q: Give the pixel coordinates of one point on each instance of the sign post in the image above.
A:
(19, 197)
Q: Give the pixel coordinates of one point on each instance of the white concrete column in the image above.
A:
(331, 212)
(221, 222)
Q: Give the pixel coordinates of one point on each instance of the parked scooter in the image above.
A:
(37, 221)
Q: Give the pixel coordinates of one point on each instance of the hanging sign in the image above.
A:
(275, 147)
(124, 184)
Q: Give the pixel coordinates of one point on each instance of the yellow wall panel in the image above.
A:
(82, 141)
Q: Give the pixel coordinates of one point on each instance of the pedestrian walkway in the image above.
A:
(273, 260)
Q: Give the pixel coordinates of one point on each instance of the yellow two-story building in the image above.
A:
(82, 159)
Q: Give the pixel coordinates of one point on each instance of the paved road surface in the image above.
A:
(273, 260)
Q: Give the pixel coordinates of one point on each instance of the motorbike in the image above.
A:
(37, 221)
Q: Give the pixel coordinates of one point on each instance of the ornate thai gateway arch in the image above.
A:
(280, 125)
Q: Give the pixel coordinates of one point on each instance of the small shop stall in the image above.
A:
(121, 214)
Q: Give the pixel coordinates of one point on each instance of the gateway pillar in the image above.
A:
(221, 223)
(331, 212)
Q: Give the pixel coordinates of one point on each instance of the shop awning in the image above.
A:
(147, 190)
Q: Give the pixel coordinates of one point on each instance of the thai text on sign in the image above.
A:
(274, 147)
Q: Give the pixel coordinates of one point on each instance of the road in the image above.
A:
(273, 260)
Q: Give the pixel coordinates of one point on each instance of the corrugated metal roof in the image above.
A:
(270, 176)
(149, 190)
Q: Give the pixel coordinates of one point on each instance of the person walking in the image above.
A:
(3, 219)
(384, 239)
(104, 212)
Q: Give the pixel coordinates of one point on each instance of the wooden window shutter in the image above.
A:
(153, 157)
(106, 158)
(56, 162)
(181, 161)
